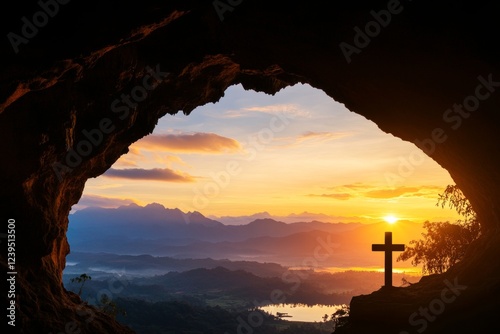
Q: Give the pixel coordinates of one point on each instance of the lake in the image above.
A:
(301, 312)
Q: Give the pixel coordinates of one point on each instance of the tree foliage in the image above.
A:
(444, 243)
(341, 317)
(455, 199)
(108, 306)
(81, 279)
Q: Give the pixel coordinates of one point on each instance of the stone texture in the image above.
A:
(65, 79)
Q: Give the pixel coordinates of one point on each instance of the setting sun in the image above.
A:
(391, 219)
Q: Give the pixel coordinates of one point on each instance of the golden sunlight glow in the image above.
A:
(339, 173)
(391, 219)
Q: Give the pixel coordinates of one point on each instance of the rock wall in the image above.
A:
(82, 82)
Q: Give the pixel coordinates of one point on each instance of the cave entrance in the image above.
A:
(252, 159)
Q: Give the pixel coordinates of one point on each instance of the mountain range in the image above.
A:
(159, 231)
(291, 218)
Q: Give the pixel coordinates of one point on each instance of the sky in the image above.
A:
(297, 151)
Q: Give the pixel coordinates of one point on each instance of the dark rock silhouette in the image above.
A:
(429, 73)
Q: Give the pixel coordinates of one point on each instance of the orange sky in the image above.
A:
(293, 152)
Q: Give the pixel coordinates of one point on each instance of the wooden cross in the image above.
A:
(388, 247)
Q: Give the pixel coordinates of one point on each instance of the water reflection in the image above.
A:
(301, 312)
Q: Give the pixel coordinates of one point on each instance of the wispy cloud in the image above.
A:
(322, 136)
(391, 193)
(168, 160)
(291, 110)
(198, 142)
(157, 174)
(339, 196)
(356, 186)
(126, 161)
(348, 191)
(131, 158)
(418, 191)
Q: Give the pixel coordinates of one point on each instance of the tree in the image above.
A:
(340, 317)
(108, 306)
(81, 279)
(455, 199)
(444, 244)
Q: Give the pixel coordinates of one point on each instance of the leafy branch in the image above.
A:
(81, 279)
(444, 243)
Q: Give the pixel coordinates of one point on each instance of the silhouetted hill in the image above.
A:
(202, 279)
(220, 286)
(101, 264)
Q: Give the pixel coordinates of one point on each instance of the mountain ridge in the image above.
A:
(156, 230)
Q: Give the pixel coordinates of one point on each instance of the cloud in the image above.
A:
(391, 193)
(134, 151)
(198, 142)
(423, 191)
(130, 159)
(339, 196)
(101, 201)
(348, 191)
(157, 174)
(169, 160)
(291, 110)
(357, 186)
(322, 136)
(126, 161)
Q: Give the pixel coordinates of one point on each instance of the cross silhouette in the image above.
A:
(388, 247)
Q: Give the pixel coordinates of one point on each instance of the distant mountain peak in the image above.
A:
(195, 214)
(265, 221)
(131, 205)
(262, 214)
(154, 205)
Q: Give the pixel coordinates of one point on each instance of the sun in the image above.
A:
(391, 219)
